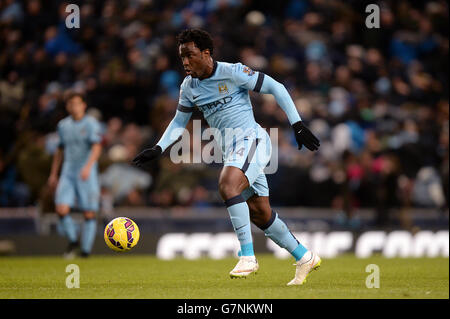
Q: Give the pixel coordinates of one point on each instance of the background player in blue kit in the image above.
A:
(78, 185)
(220, 91)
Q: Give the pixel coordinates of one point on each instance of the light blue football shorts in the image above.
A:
(76, 193)
(251, 154)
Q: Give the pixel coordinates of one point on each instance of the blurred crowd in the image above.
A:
(377, 98)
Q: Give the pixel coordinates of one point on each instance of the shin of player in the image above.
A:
(278, 231)
(232, 182)
(240, 218)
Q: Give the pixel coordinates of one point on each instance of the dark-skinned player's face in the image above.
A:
(194, 61)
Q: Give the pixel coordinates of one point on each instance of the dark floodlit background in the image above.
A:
(377, 98)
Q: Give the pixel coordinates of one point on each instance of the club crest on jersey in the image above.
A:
(249, 71)
(223, 88)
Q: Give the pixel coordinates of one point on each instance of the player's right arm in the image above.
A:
(56, 162)
(302, 134)
(262, 83)
(171, 134)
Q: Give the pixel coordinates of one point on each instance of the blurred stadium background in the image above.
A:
(377, 98)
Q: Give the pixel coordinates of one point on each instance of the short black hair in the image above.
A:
(71, 94)
(201, 39)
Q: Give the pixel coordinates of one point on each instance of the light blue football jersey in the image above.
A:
(76, 138)
(224, 99)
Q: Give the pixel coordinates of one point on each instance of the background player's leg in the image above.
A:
(66, 223)
(262, 215)
(88, 196)
(64, 199)
(232, 182)
(88, 233)
(68, 227)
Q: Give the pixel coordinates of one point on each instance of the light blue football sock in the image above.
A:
(240, 218)
(277, 230)
(88, 235)
(69, 228)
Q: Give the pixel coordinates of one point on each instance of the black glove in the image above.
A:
(144, 158)
(304, 137)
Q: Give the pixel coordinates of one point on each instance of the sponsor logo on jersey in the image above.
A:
(216, 104)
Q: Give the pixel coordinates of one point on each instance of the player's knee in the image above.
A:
(227, 190)
(62, 210)
(89, 215)
(231, 185)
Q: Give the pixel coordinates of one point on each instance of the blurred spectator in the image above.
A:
(124, 183)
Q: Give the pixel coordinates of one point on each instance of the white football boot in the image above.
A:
(245, 266)
(304, 267)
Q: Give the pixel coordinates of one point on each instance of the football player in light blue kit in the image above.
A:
(78, 184)
(220, 91)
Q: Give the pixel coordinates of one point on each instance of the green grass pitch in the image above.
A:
(132, 276)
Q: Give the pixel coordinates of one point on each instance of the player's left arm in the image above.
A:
(302, 134)
(96, 150)
(262, 83)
